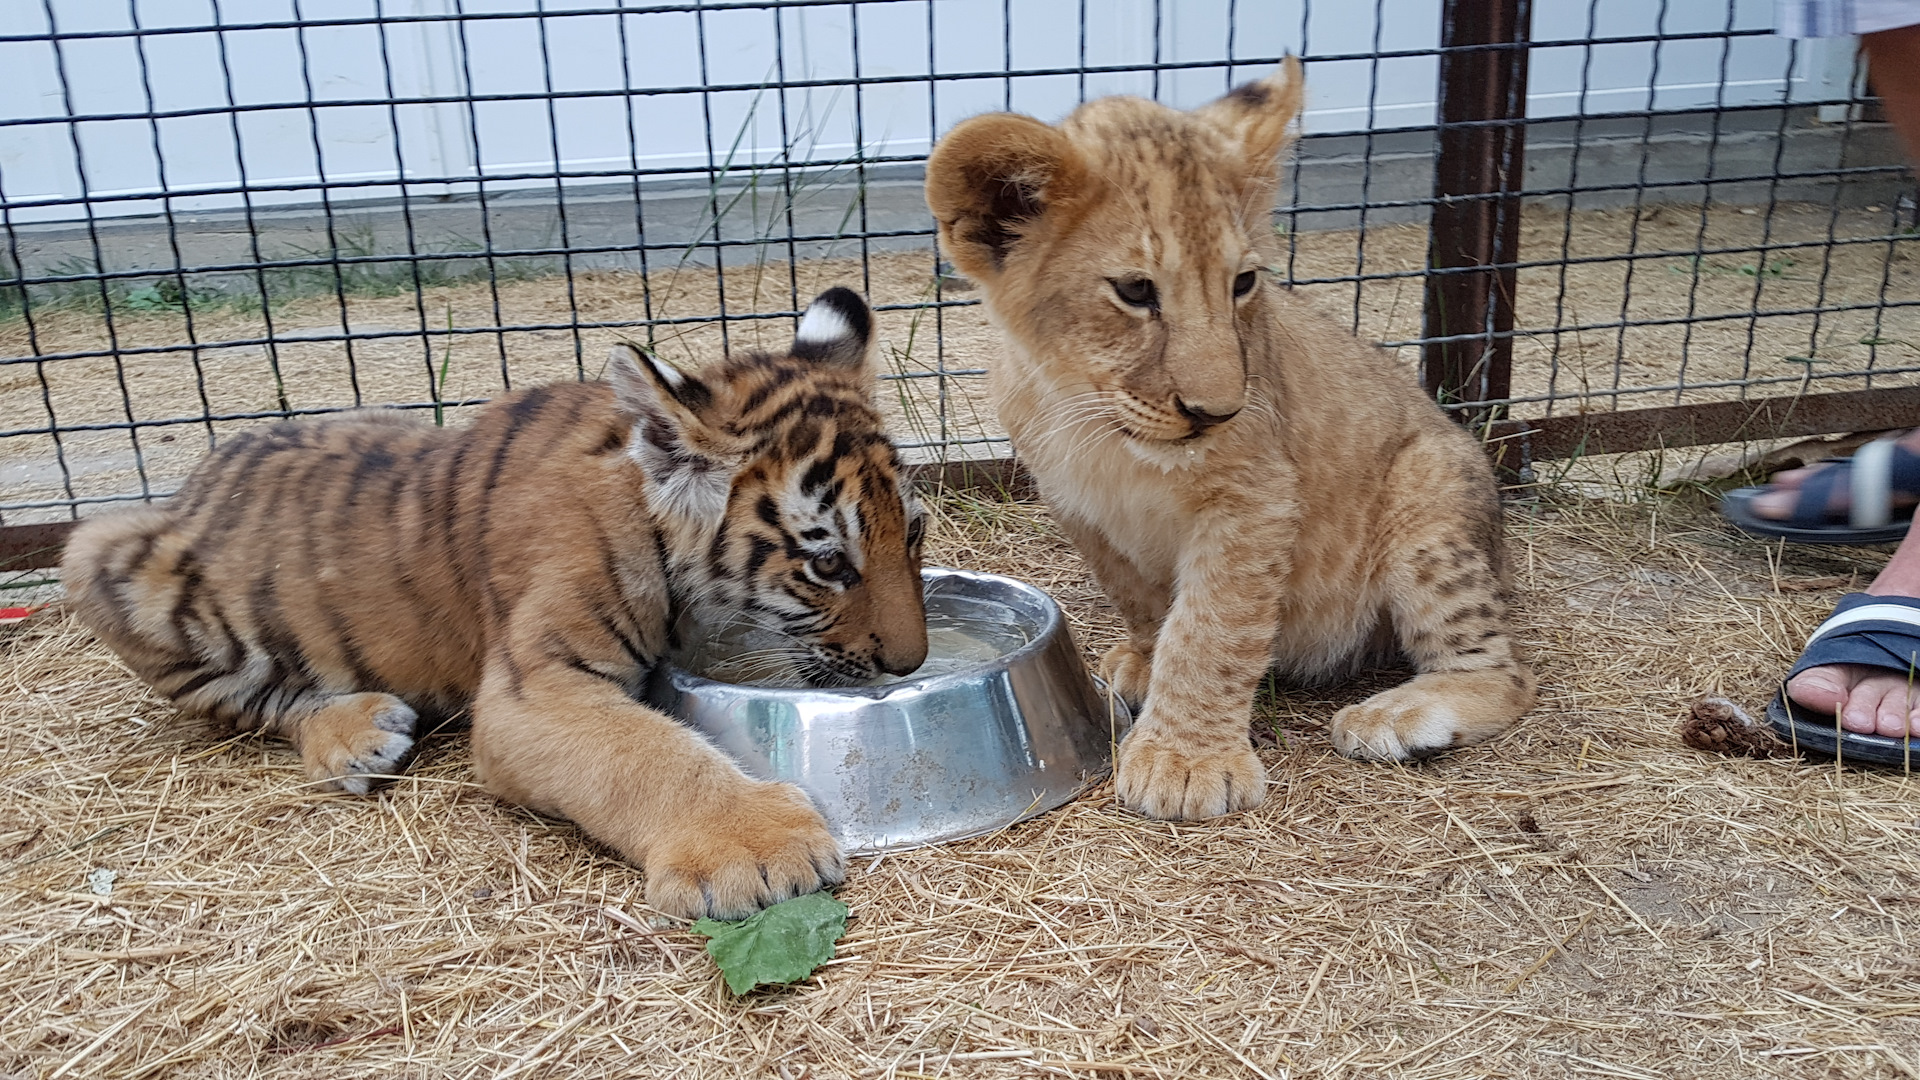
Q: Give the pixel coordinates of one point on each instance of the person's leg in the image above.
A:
(1870, 699)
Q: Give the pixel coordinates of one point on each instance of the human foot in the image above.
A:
(1836, 502)
(1855, 691)
(1780, 499)
(1869, 700)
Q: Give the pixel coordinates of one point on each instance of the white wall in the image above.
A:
(582, 52)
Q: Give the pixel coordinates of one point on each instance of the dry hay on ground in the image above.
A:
(422, 354)
(1583, 897)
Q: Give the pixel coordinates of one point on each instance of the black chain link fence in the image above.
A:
(213, 214)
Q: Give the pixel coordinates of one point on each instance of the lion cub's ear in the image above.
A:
(1261, 114)
(992, 181)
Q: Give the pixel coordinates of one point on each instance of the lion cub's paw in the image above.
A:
(1161, 778)
(1126, 671)
(1398, 724)
(357, 740)
(761, 846)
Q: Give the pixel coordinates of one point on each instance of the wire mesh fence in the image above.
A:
(219, 214)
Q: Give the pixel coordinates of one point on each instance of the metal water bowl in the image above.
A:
(931, 759)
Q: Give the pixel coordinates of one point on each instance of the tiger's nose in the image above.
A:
(1200, 418)
(902, 655)
(902, 662)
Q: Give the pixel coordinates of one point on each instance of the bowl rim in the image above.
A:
(684, 681)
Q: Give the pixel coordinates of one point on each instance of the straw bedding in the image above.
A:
(1583, 897)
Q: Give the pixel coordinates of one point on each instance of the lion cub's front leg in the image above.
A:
(1448, 598)
(1189, 755)
(1127, 668)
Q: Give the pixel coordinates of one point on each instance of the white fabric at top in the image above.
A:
(1839, 18)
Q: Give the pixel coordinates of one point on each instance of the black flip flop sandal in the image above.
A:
(1876, 631)
(1872, 475)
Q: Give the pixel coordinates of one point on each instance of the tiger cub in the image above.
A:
(1254, 489)
(330, 581)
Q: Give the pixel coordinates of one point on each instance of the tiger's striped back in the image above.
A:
(375, 552)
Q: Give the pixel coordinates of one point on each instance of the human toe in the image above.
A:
(1868, 699)
(1821, 689)
(1782, 495)
(1894, 717)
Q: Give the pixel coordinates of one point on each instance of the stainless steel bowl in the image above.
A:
(932, 759)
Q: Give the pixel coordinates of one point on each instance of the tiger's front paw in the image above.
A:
(761, 845)
(1174, 779)
(1126, 671)
(357, 741)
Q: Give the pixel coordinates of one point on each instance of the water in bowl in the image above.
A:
(961, 631)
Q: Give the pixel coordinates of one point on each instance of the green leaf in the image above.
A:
(779, 945)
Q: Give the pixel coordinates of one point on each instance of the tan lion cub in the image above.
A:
(1253, 487)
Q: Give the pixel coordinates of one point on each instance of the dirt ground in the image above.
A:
(445, 346)
(1582, 897)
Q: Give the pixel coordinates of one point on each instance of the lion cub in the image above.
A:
(1253, 488)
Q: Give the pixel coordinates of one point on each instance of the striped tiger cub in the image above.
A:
(330, 582)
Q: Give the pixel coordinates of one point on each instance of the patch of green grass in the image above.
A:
(17, 300)
(13, 298)
(385, 273)
(446, 367)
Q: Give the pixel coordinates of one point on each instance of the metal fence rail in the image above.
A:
(1594, 227)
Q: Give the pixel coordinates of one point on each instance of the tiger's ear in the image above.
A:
(836, 330)
(689, 463)
(644, 383)
(1261, 114)
(992, 180)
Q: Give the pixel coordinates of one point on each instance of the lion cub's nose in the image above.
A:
(1201, 419)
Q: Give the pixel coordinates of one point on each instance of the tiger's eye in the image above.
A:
(1137, 291)
(828, 566)
(1243, 284)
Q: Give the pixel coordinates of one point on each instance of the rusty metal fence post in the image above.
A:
(1478, 171)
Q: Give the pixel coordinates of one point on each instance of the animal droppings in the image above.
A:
(1719, 726)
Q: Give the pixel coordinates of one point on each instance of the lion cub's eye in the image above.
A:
(829, 566)
(1243, 284)
(1137, 291)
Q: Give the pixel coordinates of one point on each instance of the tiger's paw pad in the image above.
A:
(359, 745)
(1160, 778)
(1397, 725)
(1126, 671)
(766, 845)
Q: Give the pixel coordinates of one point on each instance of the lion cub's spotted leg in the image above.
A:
(1448, 598)
(1188, 755)
(351, 740)
(1128, 666)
